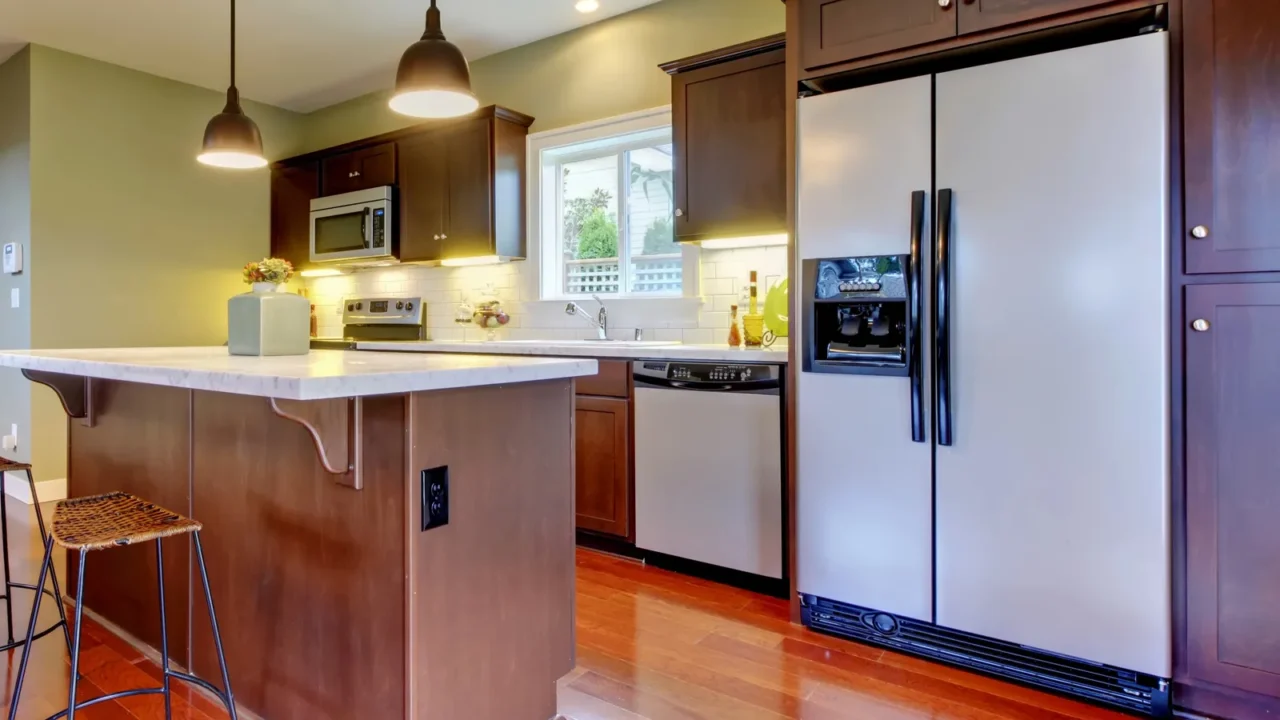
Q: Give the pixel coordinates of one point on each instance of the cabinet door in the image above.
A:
(1232, 135)
(978, 15)
(729, 132)
(469, 219)
(424, 186)
(602, 428)
(1233, 485)
(835, 31)
(292, 190)
(360, 169)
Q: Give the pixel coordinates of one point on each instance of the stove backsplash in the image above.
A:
(723, 280)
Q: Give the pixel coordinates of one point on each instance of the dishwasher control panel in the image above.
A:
(695, 374)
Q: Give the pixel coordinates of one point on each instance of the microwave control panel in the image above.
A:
(379, 228)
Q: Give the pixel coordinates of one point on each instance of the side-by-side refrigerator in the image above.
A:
(983, 452)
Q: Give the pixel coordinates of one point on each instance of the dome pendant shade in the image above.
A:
(232, 139)
(433, 80)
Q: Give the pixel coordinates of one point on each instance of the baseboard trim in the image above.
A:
(15, 486)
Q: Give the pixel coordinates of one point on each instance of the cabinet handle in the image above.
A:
(1200, 325)
(1200, 232)
(679, 212)
(444, 237)
(944, 4)
(436, 236)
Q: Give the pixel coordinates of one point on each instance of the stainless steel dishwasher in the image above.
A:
(708, 463)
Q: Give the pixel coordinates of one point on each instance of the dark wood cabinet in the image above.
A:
(729, 134)
(1232, 135)
(836, 31)
(361, 169)
(978, 15)
(603, 464)
(1233, 486)
(293, 187)
(424, 187)
(469, 231)
(462, 189)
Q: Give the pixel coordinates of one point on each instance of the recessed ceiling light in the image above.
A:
(587, 6)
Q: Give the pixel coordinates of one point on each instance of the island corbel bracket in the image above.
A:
(75, 392)
(336, 428)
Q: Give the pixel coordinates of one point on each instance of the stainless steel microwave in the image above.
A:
(354, 227)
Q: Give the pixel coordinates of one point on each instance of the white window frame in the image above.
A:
(548, 264)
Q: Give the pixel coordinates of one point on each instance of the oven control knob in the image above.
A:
(359, 306)
(350, 307)
(408, 306)
(400, 305)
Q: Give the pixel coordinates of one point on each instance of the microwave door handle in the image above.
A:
(366, 230)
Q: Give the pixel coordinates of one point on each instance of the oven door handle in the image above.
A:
(915, 367)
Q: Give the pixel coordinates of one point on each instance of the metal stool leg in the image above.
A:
(217, 636)
(31, 629)
(75, 645)
(164, 633)
(8, 579)
(44, 537)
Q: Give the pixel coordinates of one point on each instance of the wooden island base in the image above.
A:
(333, 602)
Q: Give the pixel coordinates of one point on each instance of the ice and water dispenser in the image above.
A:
(860, 315)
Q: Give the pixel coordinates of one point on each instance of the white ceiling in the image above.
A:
(297, 54)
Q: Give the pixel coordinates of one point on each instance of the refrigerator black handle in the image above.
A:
(942, 315)
(914, 365)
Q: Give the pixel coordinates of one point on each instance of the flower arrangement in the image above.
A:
(268, 270)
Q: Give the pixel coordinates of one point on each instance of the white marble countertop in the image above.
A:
(319, 375)
(592, 349)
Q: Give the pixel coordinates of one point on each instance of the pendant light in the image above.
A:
(232, 139)
(433, 80)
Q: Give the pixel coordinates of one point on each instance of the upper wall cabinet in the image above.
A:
(835, 31)
(293, 187)
(460, 187)
(1232, 135)
(729, 133)
(361, 169)
(976, 15)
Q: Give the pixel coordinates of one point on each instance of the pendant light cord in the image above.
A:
(233, 43)
(433, 31)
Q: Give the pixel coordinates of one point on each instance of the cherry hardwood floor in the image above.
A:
(652, 645)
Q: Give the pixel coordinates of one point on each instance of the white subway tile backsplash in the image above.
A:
(723, 283)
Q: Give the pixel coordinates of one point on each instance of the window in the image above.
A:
(604, 210)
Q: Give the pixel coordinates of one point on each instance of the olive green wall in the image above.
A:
(599, 71)
(15, 226)
(134, 243)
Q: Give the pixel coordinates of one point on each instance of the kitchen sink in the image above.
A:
(580, 343)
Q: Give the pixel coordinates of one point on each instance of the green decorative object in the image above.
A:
(267, 320)
(776, 310)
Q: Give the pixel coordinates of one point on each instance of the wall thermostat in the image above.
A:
(12, 258)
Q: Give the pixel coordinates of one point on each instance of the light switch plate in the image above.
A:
(12, 262)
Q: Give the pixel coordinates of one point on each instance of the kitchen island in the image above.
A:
(317, 478)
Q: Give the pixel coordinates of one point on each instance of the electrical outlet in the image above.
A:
(435, 497)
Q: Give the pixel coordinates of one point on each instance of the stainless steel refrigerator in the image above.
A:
(983, 453)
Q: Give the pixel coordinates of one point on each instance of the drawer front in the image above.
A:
(613, 380)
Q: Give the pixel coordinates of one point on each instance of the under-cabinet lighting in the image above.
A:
(745, 242)
(323, 272)
(481, 260)
(587, 6)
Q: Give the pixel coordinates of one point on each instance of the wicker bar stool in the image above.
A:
(7, 465)
(101, 522)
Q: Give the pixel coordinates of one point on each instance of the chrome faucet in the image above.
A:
(600, 322)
